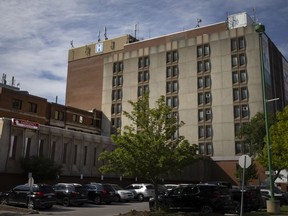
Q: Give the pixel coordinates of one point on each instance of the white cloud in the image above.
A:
(35, 35)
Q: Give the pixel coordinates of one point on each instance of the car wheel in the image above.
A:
(117, 198)
(66, 201)
(206, 209)
(97, 200)
(140, 197)
(31, 204)
(3, 200)
(48, 206)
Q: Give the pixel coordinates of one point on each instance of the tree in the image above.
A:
(254, 132)
(146, 148)
(250, 173)
(41, 168)
(278, 144)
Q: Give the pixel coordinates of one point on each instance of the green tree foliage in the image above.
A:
(250, 173)
(146, 147)
(254, 132)
(41, 168)
(278, 144)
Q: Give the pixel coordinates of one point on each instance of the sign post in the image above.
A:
(244, 162)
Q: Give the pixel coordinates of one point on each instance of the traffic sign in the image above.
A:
(245, 161)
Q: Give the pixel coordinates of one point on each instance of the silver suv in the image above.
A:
(141, 191)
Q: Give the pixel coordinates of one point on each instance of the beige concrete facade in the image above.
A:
(228, 97)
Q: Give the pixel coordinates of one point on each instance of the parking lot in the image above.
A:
(91, 209)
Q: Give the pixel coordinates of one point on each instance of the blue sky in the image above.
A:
(35, 35)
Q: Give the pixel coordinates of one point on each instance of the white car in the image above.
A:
(120, 195)
(141, 191)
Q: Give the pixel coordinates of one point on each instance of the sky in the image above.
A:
(35, 35)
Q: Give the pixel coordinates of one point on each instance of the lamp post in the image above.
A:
(261, 29)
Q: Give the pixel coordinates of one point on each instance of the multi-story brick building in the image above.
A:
(210, 75)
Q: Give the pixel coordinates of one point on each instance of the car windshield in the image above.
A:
(117, 187)
(46, 188)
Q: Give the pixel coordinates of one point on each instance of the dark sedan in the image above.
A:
(34, 197)
(200, 198)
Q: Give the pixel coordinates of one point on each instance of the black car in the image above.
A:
(252, 199)
(98, 194)
(35, 197)
(70, 194)
(200, 198)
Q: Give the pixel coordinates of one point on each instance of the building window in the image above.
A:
(171, 86)
(118, 67)
(116, 94)
(13, 147)
(206, 50)
(143, 62)
(199, 51)
(85, 155)
(200, 98)
(208, 131)
(94, 156)
(200, 82)
(74, 118)
(27, 147)
(236, 111)
(241, 43)
(40, 148)
(205, 149)
(201, 132)
(75, 154)
(245, 111)
(242, 148)
(168, 72)
(234, 77)
(243, 76)
(175, 71)
(80, 119)
(237, 130)
(53, 150)
(208, 114)
(244, 93)
(207, 97)
(175, 55)
(233, 44)
(16, 104)
(207, 65)
(235, 94)
(199, 66)
(200, 115)
(242, 59)
(33, 107)
(207, 82)
(64, 155)
(172, 101)
(234, 61)
(59, 115)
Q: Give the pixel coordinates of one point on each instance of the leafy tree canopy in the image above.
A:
(146, 148)
(41, 168)
(278, 144)
(254, 132)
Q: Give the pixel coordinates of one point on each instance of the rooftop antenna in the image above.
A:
(4, 78)
(105, 33)
(99, 39)
(198, 23)
(254, 15)
(71, 43)
(135, 30)
(13, 81)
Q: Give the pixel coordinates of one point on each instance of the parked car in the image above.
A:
(70, 194)
(252, 199)
(98, 194)
(119, 194)
(201, 198)
(141, 191)
(36, 197)
(170, 186)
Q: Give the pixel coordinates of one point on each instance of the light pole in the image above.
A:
(261, 29)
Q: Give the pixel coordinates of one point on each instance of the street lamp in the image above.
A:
(261, 29)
